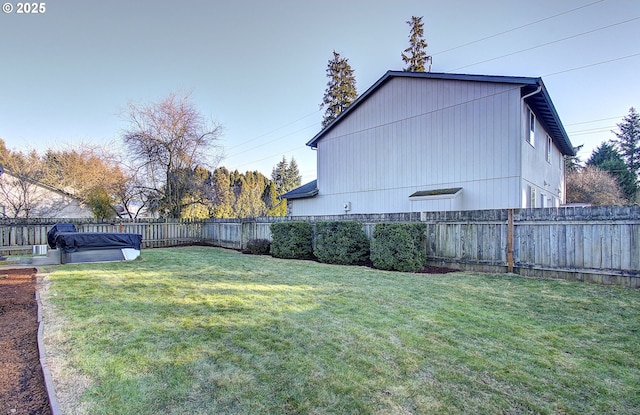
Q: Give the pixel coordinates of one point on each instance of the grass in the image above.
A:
(211, 331)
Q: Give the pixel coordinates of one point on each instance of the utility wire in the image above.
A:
(548, 43)
(516, 28)
(592, 121)
(592, 64)
(274, 140)
(274, 130)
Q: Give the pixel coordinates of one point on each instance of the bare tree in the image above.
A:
(594, 186)
(164, 138)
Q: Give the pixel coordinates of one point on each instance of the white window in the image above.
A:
(530, 197)
(532, 191)
(531, 133)
(548, 150)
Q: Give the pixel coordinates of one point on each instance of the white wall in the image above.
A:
(415, 134)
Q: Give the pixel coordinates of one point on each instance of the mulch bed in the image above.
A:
(430, 269)
(22, 389)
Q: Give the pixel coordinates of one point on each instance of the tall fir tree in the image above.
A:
(573, 163)
(628, 141)
(285, 176)
(341, 88)
(415, 56)
(293, 178)
(607, 158)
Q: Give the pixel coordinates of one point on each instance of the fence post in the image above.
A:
(510, 240)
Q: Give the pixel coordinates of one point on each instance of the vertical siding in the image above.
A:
(415, 135)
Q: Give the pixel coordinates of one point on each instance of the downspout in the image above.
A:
(532, 93)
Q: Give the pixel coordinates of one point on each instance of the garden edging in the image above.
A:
(48, 380)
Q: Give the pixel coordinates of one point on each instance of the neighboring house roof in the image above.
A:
(539, 102)
(306, 190)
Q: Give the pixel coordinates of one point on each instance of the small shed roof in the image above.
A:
(306, 190)
(540, 102)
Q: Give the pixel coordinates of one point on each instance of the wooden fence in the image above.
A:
(599, 244)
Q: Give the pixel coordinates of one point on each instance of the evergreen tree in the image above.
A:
(572, 163)
(279, 174)
(222, 198)
(607, 158)
(341, 88)
(628, 141)
(275, 207)
(286, 176)
(415, 56)
(292, 178)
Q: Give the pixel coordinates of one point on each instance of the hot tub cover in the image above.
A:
(63, 236)
(56, 229)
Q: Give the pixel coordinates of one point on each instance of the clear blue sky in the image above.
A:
(258, 67)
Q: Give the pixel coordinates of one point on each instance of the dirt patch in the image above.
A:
(22, 389)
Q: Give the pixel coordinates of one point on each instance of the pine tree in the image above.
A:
(607, 158)
(285, 176)
(341, 88)
(415, 56)
(293, 178)
(573, 163)
(628, 141)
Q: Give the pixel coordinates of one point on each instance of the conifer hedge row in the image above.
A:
(395, 246)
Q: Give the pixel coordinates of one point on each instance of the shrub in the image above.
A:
(258, 246)
(292, 240)
(399, 246)
(341, 243)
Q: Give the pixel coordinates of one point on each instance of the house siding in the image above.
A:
(547, 177)
(414, 135)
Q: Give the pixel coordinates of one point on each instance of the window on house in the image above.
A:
(532, 191)
(532, 129)
(548, 150)
(529, 194)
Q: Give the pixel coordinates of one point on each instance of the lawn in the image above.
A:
(210, 331)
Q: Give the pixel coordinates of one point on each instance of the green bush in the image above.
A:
(399, 246)
(292, 240)
(341, 243)
(258, 246)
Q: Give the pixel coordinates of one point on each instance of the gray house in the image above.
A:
(417, 141)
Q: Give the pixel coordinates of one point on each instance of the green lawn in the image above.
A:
(211, 331)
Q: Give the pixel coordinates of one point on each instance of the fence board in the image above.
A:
(576, 243)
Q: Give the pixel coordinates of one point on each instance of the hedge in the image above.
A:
(399, 246)
(292, 240)
(341, 242)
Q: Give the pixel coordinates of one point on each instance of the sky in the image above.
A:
(258, 67)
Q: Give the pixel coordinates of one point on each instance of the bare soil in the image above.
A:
(22, 389)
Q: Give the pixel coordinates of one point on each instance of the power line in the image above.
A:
(272, 155)
(592, 121)
(548, 43)
(274, 130)
(591, 131)
(274, 140)
(516, 28)
(593, 64)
